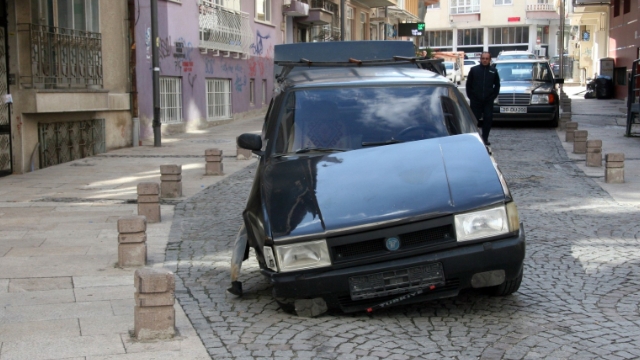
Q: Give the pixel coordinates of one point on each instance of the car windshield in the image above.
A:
(448, 65)
(341, 119)
(524, 71)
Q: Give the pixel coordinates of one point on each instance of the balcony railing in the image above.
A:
(62, 58)
(224, 28)
(538, 6)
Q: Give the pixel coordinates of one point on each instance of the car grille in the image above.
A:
(426, 237)
(514, 99)
(395, 281)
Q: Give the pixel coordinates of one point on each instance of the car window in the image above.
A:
(352, 118)
(537, 71)
(448, 65)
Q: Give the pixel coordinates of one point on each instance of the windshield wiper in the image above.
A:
(318, 149)
(377, 143)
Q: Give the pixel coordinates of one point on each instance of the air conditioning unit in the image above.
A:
(286, 2)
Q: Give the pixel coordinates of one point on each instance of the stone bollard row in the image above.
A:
(154, 315)
(570, 128)
(580, 141)
(614, 168)
(594, 152)
(170, 181)
(242, 154)
(132, 241)
(213, 157)
(149, 201)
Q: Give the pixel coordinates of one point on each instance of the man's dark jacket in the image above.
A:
(483, 84)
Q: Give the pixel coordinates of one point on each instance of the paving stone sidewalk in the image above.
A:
(579, 298)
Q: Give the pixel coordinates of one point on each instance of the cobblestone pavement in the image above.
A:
(579, 297)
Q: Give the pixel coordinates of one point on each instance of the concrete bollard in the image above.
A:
(132, 241)
(170, 181)
(580, 141)
(154, 315)
(213, 158)
(614, 168)
(594, 152)
(565, 118)
(149, 201)
(570, 128)
(242, 154)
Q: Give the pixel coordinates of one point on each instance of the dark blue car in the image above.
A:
(374, 188)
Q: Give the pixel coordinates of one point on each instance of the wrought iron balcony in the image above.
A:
(540, 5)
(61, 58)
(224, 28)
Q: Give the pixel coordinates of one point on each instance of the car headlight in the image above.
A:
(540, 98)
(487, 223)
(306, 255)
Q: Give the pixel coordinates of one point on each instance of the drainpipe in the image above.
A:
(133, 19)
(155, 40)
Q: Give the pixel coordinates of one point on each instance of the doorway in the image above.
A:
(5, 109)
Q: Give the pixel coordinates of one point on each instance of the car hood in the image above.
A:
(524, 86)
(323, 194)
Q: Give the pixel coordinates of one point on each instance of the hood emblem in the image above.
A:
(392, 243)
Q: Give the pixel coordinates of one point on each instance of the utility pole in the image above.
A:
(157, 141)
(343, 15)
(562, 39)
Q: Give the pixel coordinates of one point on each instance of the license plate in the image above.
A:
(395, 281)
(513, 109)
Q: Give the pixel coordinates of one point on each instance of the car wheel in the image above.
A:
(508, 287)
(286, 304)
(458, 81)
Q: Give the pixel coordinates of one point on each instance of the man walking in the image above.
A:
(483, 87)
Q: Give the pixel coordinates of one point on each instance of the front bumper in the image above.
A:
(534, 113)
(459, 264)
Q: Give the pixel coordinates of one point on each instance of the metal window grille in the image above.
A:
(67, 141)
(264, 91)
(503, 2)
(252, 91)
(465, 7)
(170, 100)
(218, 99)
(223, 27)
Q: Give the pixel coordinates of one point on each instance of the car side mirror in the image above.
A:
(251, 142)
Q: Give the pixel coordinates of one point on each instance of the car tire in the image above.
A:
(286, 304)
(508, 287)
(459, 81)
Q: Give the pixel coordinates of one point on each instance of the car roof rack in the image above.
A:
(434, 65)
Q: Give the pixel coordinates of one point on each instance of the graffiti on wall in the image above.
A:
(240, 82)
(258, 65)
(192, 80)
(147, 42)
(257, 48)
(208, 65)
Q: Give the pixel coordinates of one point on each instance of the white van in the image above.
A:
(453, 72)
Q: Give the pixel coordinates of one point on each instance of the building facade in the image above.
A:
(624, 42)
(320, 20)
(64, 64)
(586, 37)
(216, 61)
(474, 26)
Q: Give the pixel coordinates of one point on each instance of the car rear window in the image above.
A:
(352, 118)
